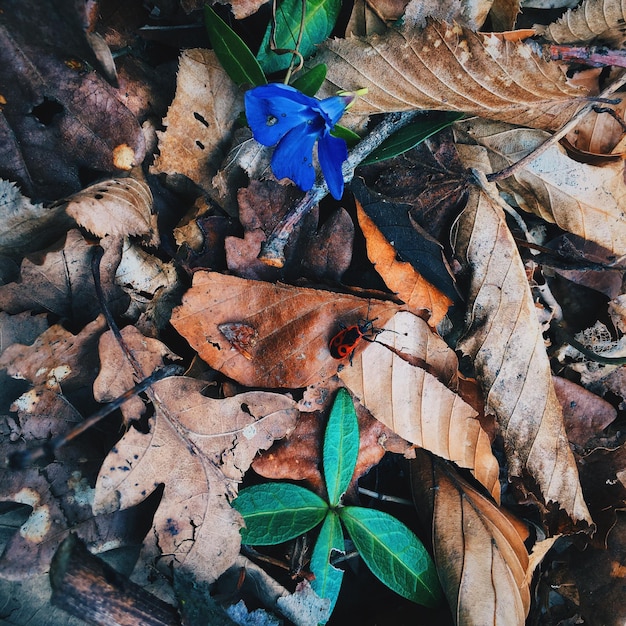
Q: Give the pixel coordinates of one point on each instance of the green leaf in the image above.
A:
(393, 553)
(410, 136)
(277, 512)
(341, 446)
(328, 579)
(342, 132)
(232, 52)
(310, 82)
(319, 22)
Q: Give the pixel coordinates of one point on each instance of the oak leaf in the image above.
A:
(199, 447)
(504, 338)
(406, 379)
(480, 556)
(293, 327)
(450, 68)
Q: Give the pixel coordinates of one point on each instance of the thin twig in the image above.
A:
(273, 250)
(523, 162)
(24, 458)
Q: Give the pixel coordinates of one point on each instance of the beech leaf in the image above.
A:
(293, 327)
(199, 448)
(277, 512)
(397, 379)
(504, 338)
(450, 68)
(480, 557)
(580, 198)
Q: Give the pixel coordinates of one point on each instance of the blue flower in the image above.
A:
(282, 116)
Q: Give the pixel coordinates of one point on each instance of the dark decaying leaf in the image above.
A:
(60, 116)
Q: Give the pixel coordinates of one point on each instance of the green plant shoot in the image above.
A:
(276, 512)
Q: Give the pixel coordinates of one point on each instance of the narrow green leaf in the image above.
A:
(319, 22)
(310, 82)
(327, 583)
(393, 554)
(410, 136)
(341, 446)
(235, 57)
(277, 512)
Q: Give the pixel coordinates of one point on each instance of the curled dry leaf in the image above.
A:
(293, 327)
(451, 68)
(199, 448)
(118, 206)
(117, 375)
(594, 20)
(480, 557)
(404, 379)
(200, 119)
(401, 276)
(504, 339)
(582, 199)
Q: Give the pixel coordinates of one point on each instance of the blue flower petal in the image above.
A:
(333, 108)
(332, 152)
(273, 110)
(293, 157)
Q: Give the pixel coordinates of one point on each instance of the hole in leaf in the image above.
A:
(47, 111)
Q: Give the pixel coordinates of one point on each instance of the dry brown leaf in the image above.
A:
(60, 493)
(118, 206)
(63, 283)
(480, 557)
(582, 199)
(470, 13)
(294, 326)
(57, 357)
(450, 68)
(400, 276)
(584, 413)
(200, 119)
(117, 375)
(26, 227)
(594, 20)
(200, 448)
(405, 388)
(504, 339)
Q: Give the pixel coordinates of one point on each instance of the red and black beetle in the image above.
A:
(347, 339)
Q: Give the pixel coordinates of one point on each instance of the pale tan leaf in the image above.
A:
(118, 206)
(504, 339)
(406, 389)
(292, 327)
(117, 374)
(450, 68)
(470, 13)
(583, 199)
(480, 557)
(592, 20)
(199, 448)
(26, 227)
(200, 119)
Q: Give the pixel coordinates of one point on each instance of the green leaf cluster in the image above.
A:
(277, 512)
